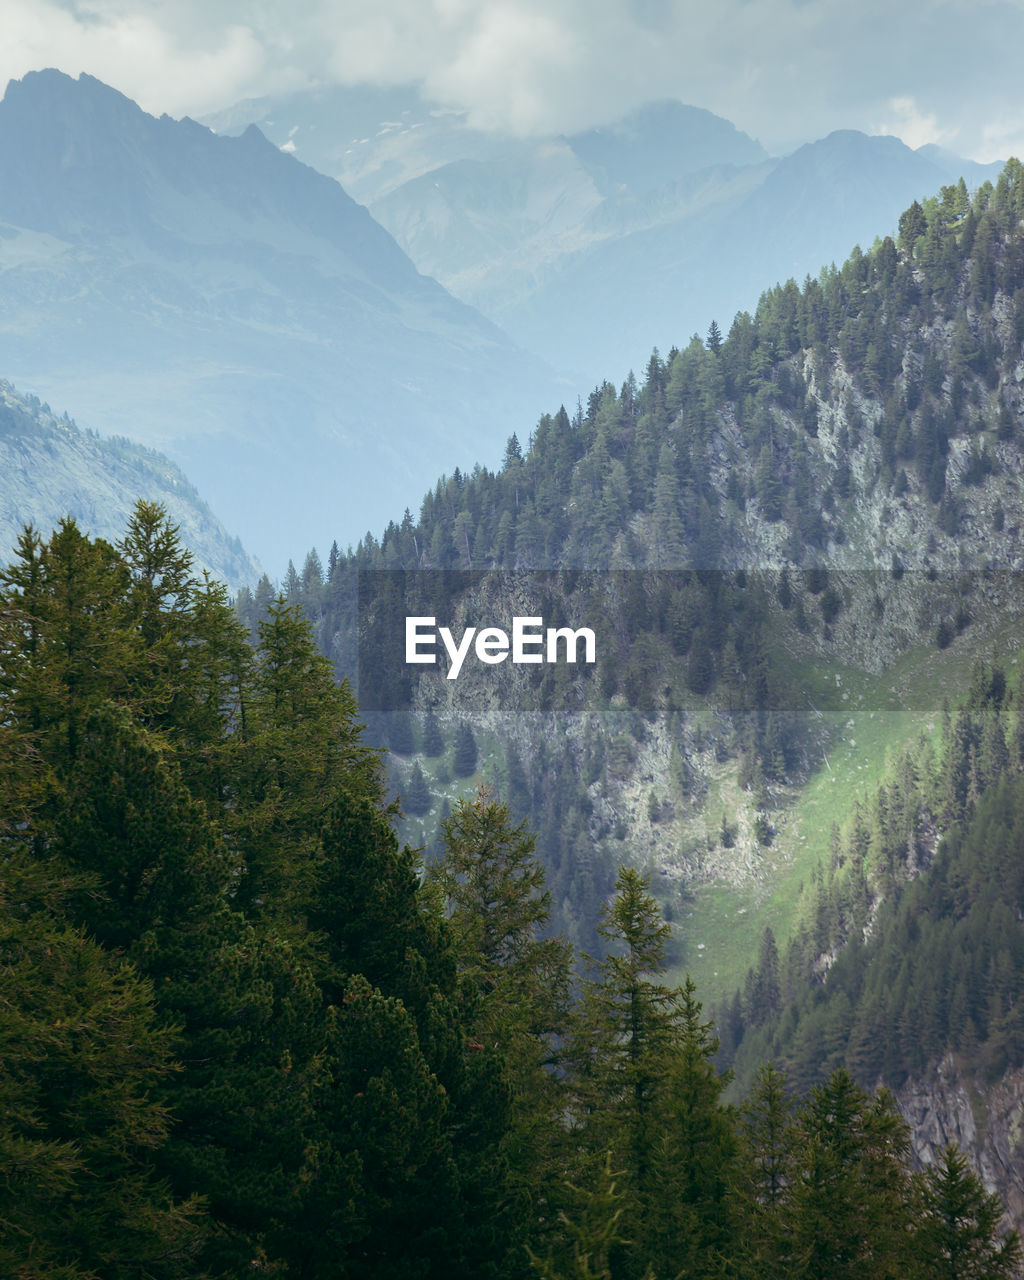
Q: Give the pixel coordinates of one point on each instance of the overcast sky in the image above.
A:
(786, 71)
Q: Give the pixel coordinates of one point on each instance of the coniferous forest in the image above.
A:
(245, 1034)
(788, 482)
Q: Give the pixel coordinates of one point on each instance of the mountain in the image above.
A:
(659, 267)
(660, 143)
(798, 544)
(593, 248)
(216, 298)
(853, 447)
(52, 469)
(372, 140)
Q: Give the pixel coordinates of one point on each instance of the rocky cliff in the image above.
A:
(952, 1103)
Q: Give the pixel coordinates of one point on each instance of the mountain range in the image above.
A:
(591, 249)
(814, 512)
(215, 298)
(801, 542)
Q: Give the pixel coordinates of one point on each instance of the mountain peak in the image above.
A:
(51, 89)
(217, 297)
(661, 142)
(255, 137)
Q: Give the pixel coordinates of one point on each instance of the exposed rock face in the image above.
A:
(985, 1120)
(50, 469)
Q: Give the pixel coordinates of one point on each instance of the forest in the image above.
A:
(245, 1031)
(781, 487)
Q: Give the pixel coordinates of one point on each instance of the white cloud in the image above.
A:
(913, 126)
(1002, 137)
(781, 69)
(132, 50)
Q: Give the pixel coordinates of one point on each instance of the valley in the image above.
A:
(467, 929)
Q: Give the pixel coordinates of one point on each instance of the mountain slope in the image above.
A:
(700, 247)
(856, 446)
(816, 524)
(51, 469)
(660, 143)
(593, 248)
(217, 298)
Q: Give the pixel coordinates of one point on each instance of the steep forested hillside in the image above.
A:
(820, 513)
(907, 963)
(888, 387)
(917, 965)
(838, 477)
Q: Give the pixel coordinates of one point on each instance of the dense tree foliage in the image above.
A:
(203, 886)
(242, 1033)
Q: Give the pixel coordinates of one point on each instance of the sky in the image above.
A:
(785, 71)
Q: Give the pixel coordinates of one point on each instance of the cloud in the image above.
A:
(784, 70)
(1002, 137)
(150, 60)
(913, 126)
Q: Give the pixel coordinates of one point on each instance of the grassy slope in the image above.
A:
(887, 714)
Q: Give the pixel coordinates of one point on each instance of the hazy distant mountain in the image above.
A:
(702, 247)
(593, 248)
(640, 269)
(659, 144)
(370, 139)
(51, 469)
(217, 298)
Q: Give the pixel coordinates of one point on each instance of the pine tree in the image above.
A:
(86, 1060)
(213, 815)
(625, 1033)
(433, 743)
(848, 1212)
(514, 990)
(957, 1235)
(465, 756)
(593, 1228)
(690, 1220)
(766, 1164)
(417, 794)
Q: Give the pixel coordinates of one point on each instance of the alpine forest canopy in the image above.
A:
(242, 1034)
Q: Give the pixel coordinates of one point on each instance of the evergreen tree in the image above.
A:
(465, 757)
(766, 1175)
(433, 742)
(417, 794)
(622, 1045)
(85, 1062)
(514, 989)
(849, 1210)
(691, 1222)
(957, 1234)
